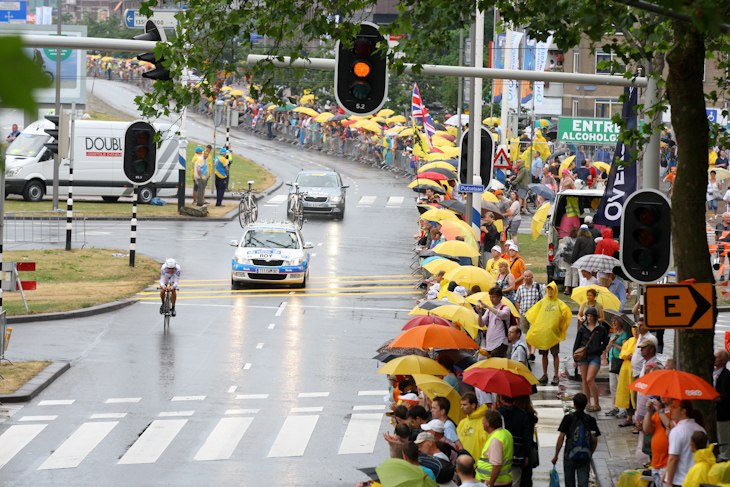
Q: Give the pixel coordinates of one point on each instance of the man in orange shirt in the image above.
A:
(516, 265)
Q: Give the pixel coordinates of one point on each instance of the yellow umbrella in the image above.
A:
(438, 214)
(323, 117)
(604, 297)
(484, 297)
(517, 368)
(226, 88)
(428, 182)
(602, 166)
(442, 165)
(236, 93)
(464, 226)
(440, 265)
(492, 121)
(539, 219)
(454, 298)
(357, 117)
(406, 132)
(470, 276)
(489, 196)
(107, 58)
(413, 364)
(248, 99)
(452, 130)
(272, 107)
(306, 99)
(457, 248)
(565, 165)
(395, 130)
(377, 119)
(306, 111)
(372, 126)
(434, 387)
(441, 142)
(385, 112)
(396, 119)
(466, 318)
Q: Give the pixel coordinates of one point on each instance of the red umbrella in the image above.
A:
(348, 122)
(675, 384)
(498, 381)
(434, 176)
(425, 320)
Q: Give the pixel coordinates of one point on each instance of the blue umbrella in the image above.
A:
(431, 259)
(543, 191)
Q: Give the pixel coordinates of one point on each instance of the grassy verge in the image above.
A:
(16, 375)
(78, 279)
(122, 208)
(104, 117)
(242, 171)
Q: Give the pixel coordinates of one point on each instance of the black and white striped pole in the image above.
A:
(70, 201)
(227, 115)
(133, 235)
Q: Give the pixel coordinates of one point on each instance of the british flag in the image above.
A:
(419, 111)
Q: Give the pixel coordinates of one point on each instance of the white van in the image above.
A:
(98, 163)
(587, 201)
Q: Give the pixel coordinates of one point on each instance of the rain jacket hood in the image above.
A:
(472, 433)
(607, 233)
(698, 474)
(550, 319)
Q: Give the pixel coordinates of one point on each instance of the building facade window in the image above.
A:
(576, 61)
(574, 110)
(606, 57)
(607, 108)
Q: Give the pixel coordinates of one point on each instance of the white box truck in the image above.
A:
(98, 163)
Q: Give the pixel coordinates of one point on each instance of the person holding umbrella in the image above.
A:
(681, 457)
(592, 340)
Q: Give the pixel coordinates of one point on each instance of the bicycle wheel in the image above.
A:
(299, 220)
(531, 202)
(254, 210)
(167, 313)
(242, 214)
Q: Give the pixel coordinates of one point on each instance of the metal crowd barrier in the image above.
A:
(43, 226)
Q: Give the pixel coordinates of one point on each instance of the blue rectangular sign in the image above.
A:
(470, 188)
(13, 12)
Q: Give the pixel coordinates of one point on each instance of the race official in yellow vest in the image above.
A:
(495, 464)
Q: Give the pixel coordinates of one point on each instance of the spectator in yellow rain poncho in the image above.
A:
(624, 398)
(704, 461)
(549, 319)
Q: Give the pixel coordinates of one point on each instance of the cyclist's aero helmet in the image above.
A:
(170, 263)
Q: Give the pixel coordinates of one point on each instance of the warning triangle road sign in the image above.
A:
(501, 160)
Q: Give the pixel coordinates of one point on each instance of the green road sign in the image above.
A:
(587, 130)
(51, 53)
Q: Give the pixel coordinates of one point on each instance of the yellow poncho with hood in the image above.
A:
(550, 319)
(625, 376)
(699, 473)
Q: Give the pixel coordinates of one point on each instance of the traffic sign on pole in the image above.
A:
(162, 18)
(501, 160)
(679, 306)
(470, 188)
(13, 12)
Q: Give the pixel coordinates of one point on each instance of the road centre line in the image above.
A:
(271, 326)
(119, 400)
(108, 416)
(346, 308)
(288, 295)
(39, 418)
(315, 277)
(259, 346)
(314, 394)
(312, 409)
(57, 402)
(264, 291)
(188, 398)
(247, 366)
(282, 306)
(252, 396)
(228, 283)
(232, 389)
(372, 393)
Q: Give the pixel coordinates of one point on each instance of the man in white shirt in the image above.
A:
(681, 457)
(440, 407)
(427, 445)
(496, 318)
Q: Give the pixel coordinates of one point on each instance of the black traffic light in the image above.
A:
(646, 236)
(487, 156)
(153, 33)
(60, 135)
(140, 153)
(361, 72)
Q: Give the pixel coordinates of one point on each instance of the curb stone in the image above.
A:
(34, 386)
(78, 313)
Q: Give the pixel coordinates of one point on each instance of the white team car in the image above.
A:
(270, 253)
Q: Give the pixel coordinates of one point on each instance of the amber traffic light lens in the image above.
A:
(140, 152)
(361, 69)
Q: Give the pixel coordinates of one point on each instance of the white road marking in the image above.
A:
(366, 200)
(72, 452)
(294, 436)
(394, 202)
(314, 409)
(188, 398)
(241, 411)
(372, 393)
(38, 418)
(547, 402)
(319, 244)
(15, 439)
(117, 400)
(292, 292)
(247, 366)
(548, 388)
(277, 200)
(314, 255)
(271, 326)
(173, 414)
(280, 310)
(259, 345)
(314, 394)
(369, 408)
(224, 439)
(108, 416)
(252, 396)
(232, 389)
(156, 438)
(57, 402)
(361, 434)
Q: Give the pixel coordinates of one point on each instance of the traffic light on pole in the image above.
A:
(486, 156)
(361, 72)
(60, 134)
(140, 153)
(153, 33)
(646, 236)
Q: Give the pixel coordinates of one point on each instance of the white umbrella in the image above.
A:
(454, 120)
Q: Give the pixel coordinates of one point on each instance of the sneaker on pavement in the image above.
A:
(173, 312)
(612, 412)
(543, 380)
(555, 381)
(621, 414)
(162, 308)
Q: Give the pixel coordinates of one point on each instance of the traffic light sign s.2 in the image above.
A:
(361, 72)
(60, 134)
(140, 153)
(486, 156)
(646, 236)
(153, 33)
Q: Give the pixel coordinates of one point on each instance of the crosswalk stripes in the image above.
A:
(366, 201)
(78, 445)
(395, 202)
(361, 433)
(15, 439)
(155, 439)
(276, 200)
(294, 436)
(224, 439)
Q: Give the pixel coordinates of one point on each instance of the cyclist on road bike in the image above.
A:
(169, 278)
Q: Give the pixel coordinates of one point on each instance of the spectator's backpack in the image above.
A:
(442, 470)
(579, 446)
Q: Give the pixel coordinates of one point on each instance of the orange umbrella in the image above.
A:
(433, 336)
(674, 384)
